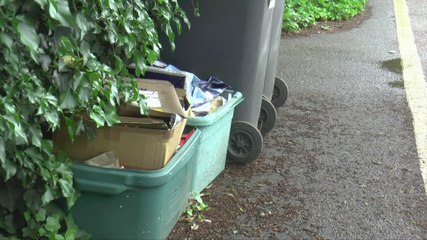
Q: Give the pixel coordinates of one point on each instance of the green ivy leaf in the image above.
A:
(118, 66)
(114, 98)
(36, 136)
(71, 127)
(45, 174)
(67, 100)
(112, 5)
(6, 39)
(72, 230)
(2, 151)
(111, 117)
(85, 51)
(9, 196)
(47, 146)
(42, 232)
(143, 108)
(58, 237)
(34, 154)
(52, 223)
(10, 169)
(45, 61)
(42, 3)
(84, 94)
(84, 24)
(52, 118)
(7, 223)
(112, 34)
(4, 2)
(78, 77)
(28, 35)
(67, 47)
(98, 115)
(66, 187)
(41, 215)
(60, 11)
(32, 199)
(20, 135)
(140, 63)
(152, 56)
(48, 195)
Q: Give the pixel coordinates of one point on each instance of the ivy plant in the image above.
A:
(62, 60)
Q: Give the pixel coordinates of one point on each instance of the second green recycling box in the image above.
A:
(211, 153)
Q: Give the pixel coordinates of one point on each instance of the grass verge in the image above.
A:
(300, 14)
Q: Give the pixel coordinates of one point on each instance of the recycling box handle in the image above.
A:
(100, 187)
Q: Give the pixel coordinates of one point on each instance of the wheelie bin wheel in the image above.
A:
(245, 143)
(267, 116)
(280, 92)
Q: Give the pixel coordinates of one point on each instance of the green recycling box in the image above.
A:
(211, 154)
(134, 204)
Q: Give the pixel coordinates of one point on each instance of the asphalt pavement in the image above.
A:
(342, 160)
(348, 115)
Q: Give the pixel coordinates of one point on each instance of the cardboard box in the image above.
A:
(139, 142)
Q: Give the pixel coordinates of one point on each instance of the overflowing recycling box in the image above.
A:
(134, 204)
(139, 142)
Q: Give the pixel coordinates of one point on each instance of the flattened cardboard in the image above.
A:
(158, 71)
(177, 78)
(136, 147)
(171, 100)
(149, 123)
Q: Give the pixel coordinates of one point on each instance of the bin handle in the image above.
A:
(271, 3)
(100, 187)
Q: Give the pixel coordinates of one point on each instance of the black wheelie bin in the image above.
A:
(230, 40)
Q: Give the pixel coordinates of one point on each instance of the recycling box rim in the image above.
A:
(213, 117)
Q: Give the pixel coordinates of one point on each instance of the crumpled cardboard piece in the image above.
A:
(162, 100)
(107, 160)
